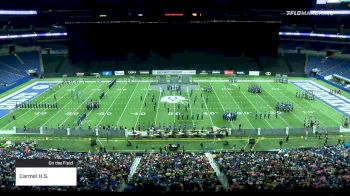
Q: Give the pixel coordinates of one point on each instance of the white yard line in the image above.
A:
(127, 103)
(257, 141)
(47, 109)
(110, 106)
(271, 108)
(100, 142)
(330, 117)
(174, 112)
(80, 105)
(143, 103)
(256, 108)
(206, 106)
(61, 109)
(188, 95)
(220, 102)
(23, 89)
(300, 120)
(327, 89)
(160, 94)
(240, 109)
(33, 108)
(246, 144)
(92, 110)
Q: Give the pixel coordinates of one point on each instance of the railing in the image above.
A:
(121, 132)
(70, 132)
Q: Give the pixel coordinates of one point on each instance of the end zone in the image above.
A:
(8, 103)
(337, 102)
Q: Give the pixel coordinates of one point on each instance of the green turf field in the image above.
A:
(122, 106)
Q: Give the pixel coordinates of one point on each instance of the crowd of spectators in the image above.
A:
(327, 167)
(95, 171)
(174, 172)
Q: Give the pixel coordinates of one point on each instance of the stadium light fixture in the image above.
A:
(32, 35)
(18, 12)
(314, 35)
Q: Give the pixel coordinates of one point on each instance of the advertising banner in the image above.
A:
(80, 74)
(229, 72)
(173, 72)
(268, 73)
(216, 72)
(254, 73)
(131, 72)
(203, 72)
(119, 73)
(106, 73)
(144, 72)
(240, 73)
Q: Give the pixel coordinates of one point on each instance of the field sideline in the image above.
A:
(82, 144)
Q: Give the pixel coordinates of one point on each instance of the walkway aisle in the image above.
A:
(134, 166)
(221, 176)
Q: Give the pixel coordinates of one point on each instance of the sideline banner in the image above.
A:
(144, 72)
(203, 72)
(119, 73)
(173, 72)
(254, 73)
(106, 73)
(240, 73)
(131, 72)
(229, 72)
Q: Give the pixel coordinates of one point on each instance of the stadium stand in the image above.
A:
(175, 172)
(328, 65)
(31, 60)
(96, 171)
(187, 60)
(293, 64)
(53, 64)
(326, 167)
(14, 69)
(295, 61)
(56, 65)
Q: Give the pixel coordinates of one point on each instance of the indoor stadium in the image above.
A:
(174, 96)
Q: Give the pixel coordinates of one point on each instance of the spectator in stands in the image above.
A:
(95, 171)
(326, 167)
(174, 172)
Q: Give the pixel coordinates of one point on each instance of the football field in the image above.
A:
(140, 103)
